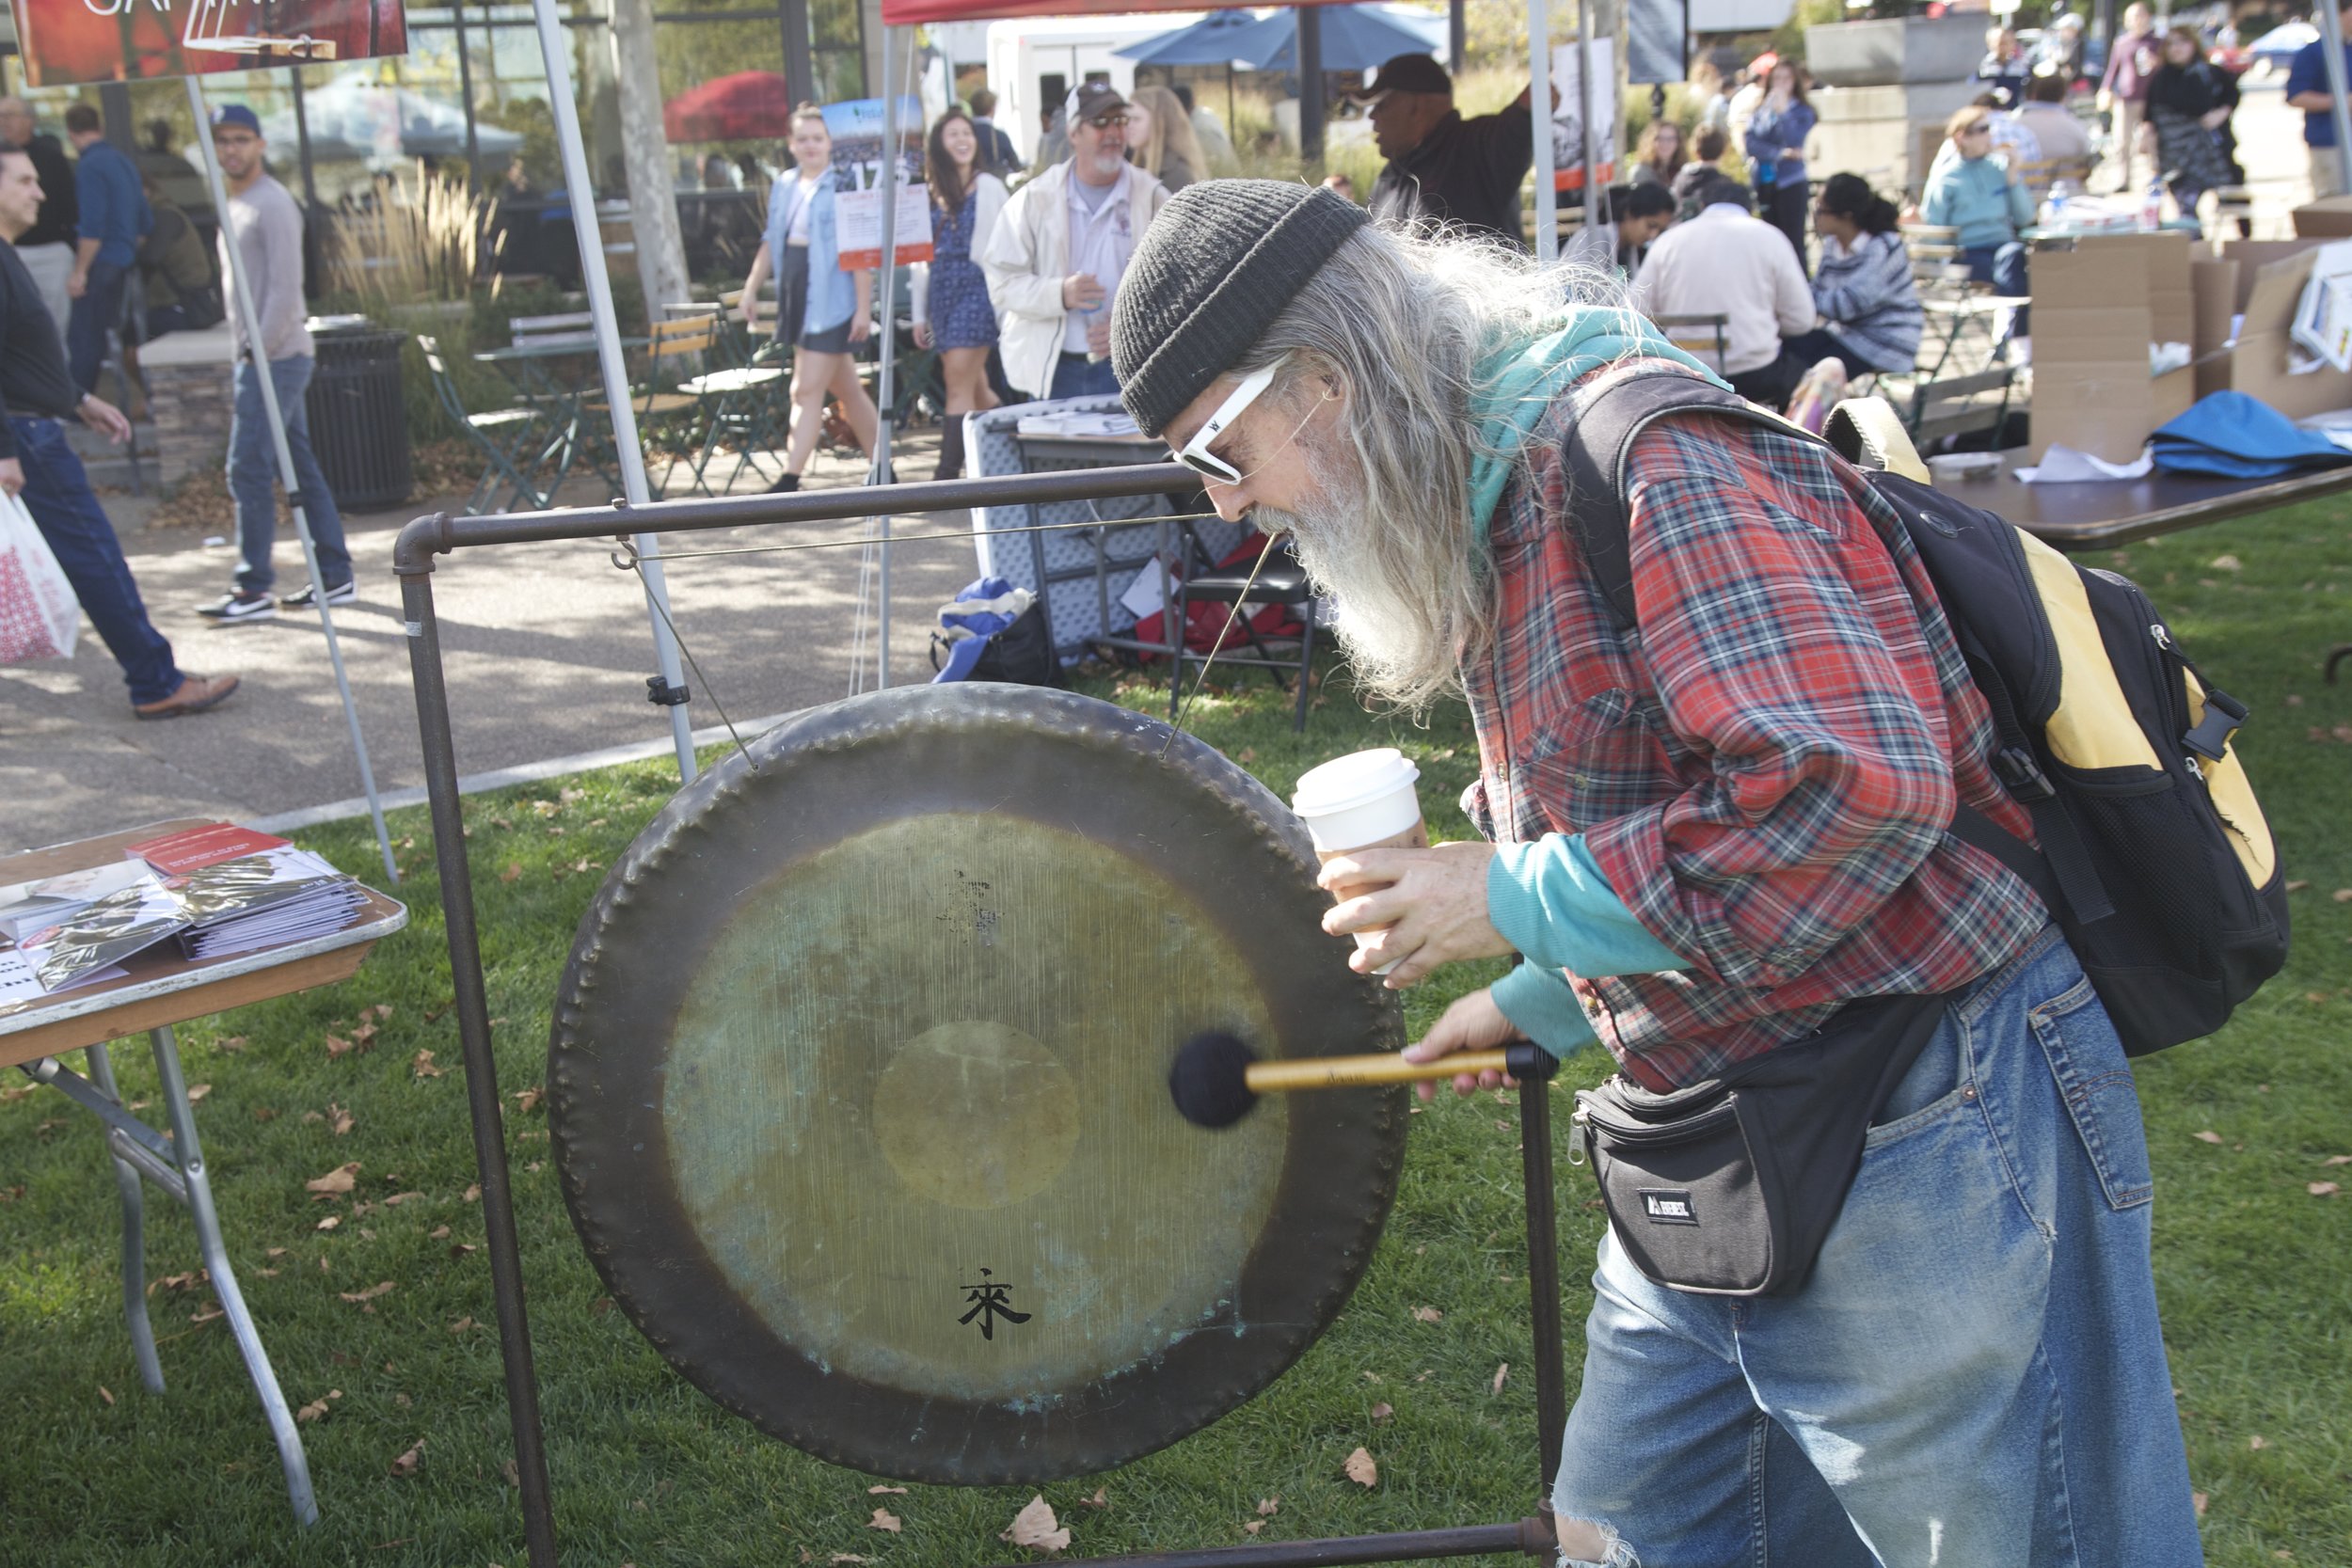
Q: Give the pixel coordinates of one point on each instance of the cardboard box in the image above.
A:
(2096, 310)
(2328, 219)
(2267, 296)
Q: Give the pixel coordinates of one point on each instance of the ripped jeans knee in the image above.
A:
(1593, 1544)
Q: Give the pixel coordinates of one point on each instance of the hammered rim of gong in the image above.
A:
(611, 1159)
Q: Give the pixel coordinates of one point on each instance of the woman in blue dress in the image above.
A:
(952, 311)
(1776, 154)
(821, 311)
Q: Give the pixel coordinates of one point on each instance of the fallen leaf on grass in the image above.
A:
(1099, 1499)
(1254, 1525)
(884, 1518)
(233, 1043)
(2258, 1443)
(339, 1179)
(885, 1491)
(2201, 1138)
(268, 1112)
(514, 868)
(838, 1558)
(2317, 1189)
(331, 1221)
(1421, 1314)
(1503, 1372)
(2220, 562)
(440, 1233)
(423, 1066)
(1269, 1507)
(2331, 1159)
(407, 1464)
(2342, 894)
(526, 1100)
(473, 1190)
(464, 1323)
(382, 1287)
(198, 1091)
(316, 1409)
(1362, 1471)
(1036, 1527)
(2196, 1499)
(398, 1198)
(209, 1311)
(102, 1393)
(336, 1044)
(1382, 1411)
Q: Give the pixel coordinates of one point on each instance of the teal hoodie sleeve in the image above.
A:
(1551, 901)
(1540, 1003)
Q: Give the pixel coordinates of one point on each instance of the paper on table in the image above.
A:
(2063, 464)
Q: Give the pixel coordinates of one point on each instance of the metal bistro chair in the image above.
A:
(738, 392)
(1698, 336)
(513, 439)
(1961, 405)
(1282, 581)
(663, 408)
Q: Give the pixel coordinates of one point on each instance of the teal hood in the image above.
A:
(1517, 383)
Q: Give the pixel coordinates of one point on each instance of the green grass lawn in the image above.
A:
(2251, 1265)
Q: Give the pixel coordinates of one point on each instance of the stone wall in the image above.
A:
(189, 397)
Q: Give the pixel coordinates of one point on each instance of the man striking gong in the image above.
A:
(1709, 832)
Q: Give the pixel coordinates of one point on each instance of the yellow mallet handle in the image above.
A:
(1349, 1073)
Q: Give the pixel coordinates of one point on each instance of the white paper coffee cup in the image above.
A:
(1363, 801)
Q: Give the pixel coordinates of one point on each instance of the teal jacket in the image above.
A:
(1976, 197)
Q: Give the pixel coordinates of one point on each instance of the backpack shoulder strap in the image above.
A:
(1601, 436)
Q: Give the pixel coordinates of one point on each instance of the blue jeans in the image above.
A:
(1972, 1374)
(98, 311)
(2004, 267)
(253, 476)
(57, 493)
(1076, 376)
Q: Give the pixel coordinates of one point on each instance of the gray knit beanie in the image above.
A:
(1220, 261)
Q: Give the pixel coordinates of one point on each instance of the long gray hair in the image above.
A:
(1398, 324)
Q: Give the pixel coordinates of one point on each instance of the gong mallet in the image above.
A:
(1216, 1079)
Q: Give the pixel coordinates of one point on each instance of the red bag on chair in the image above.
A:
(1206, 620)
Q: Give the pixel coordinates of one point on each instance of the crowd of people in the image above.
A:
(116, 219)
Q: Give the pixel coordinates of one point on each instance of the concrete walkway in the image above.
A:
(546, 648)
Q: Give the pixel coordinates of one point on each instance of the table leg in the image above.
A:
(127, 1182)
(224, 1278)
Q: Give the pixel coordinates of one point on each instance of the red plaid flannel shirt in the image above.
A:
(1765, 770)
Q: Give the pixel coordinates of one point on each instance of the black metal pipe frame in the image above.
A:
(413, 558)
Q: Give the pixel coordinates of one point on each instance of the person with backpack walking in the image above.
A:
(1728, 749)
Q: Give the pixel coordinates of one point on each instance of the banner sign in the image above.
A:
(1656, 42)
(856, 128)
(65, 42)
(1568, 120)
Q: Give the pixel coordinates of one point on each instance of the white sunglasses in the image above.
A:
(1196, 454)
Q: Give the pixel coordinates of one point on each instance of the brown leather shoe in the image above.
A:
(196, 694)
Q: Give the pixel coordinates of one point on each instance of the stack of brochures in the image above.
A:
(210, 893)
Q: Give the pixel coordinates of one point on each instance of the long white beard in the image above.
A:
(1383, 625)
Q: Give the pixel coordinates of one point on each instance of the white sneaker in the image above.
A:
(346, 592)
(236, 607)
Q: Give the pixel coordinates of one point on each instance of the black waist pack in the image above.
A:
(1728, 1187)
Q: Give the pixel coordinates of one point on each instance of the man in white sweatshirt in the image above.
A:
(1055, 259)
(1727, 261)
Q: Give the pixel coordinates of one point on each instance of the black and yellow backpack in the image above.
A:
(2154, 854)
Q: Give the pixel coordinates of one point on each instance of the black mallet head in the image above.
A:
(1210, 1079)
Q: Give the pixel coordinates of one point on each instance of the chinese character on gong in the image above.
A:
(990, 1301)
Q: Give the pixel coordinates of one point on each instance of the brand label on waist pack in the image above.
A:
(1668, 1206)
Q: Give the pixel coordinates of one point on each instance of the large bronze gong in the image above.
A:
(859, 1086)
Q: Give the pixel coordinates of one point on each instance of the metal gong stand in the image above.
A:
(414, 560)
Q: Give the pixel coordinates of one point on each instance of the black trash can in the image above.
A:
(359, 417)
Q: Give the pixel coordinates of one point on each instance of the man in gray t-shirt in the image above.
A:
(267, 229)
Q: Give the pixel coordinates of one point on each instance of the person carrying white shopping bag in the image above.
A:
(45, 479)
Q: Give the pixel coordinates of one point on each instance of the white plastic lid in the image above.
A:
(1356, 780)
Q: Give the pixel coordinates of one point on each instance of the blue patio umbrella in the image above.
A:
(1355, 37)
(1207, 42)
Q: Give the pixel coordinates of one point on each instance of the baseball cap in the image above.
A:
(238, 115)
(1406, 74)
(1090, 100)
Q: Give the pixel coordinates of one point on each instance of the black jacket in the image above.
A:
(32, 360)
(1465, 171)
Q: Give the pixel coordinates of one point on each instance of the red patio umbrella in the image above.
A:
(749, 105)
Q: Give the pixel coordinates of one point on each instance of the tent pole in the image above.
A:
(2331, 56)
(1585, 110)
(1539, 105)
(241, 288)
(616, 391)
(886, 270)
